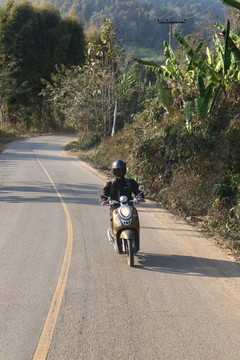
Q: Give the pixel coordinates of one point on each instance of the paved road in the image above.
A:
(180, 301)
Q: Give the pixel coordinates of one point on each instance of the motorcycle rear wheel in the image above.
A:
(130, 254)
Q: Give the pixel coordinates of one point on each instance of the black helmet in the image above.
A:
(119, 168)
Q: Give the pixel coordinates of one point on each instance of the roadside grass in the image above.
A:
(73, 146)
(6, 136)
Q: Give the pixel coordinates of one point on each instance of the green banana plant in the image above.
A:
(194, 57)
(233, 40)
(228, 66)
(171, 68)
(168, 72)
(205, 73)
(165, 96)
(233, 3)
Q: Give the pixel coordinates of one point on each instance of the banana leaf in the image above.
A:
(190, 51)
(233, 39)
(234, 49)
(233, 35)
(151, 65)
(165, 96)
(203, 103)
(201, 87)
(195, 58)
(227, 51)
(217, 92)
(233, 3)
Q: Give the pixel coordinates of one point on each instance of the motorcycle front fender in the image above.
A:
(128, 234)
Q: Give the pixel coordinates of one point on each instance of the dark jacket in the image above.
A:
(119, 187)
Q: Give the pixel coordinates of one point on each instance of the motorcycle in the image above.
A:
(124, 230)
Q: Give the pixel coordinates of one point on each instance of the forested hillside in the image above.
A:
(136, 19)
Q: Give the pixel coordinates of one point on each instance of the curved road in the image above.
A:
(64, 293)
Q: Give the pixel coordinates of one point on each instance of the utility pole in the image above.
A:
(171, 25)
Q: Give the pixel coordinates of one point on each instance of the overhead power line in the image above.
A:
(202, 12)
(172, 23)
(170, 11)
(189, 17)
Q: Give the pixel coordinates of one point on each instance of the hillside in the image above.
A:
(182, 138)
(136, 19)
(196, 176)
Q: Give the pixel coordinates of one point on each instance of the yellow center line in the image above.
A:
(52, 316)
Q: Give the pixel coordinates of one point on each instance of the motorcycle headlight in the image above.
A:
(125, 211)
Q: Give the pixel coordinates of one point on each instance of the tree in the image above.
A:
(37, 39)
(102, 71)
(7, 88)
(86, 95)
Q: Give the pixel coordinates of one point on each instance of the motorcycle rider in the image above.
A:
(121, 185)
(118, 187)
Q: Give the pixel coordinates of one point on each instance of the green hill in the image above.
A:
(136, 19)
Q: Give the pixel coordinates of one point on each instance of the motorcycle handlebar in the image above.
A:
(115, 202)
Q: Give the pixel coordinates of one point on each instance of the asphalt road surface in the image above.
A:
(65, 294)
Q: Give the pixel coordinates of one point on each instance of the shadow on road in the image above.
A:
(71, 193)
(188, 265)
(7, 158)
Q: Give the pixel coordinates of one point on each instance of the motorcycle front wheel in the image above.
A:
(130, 254)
